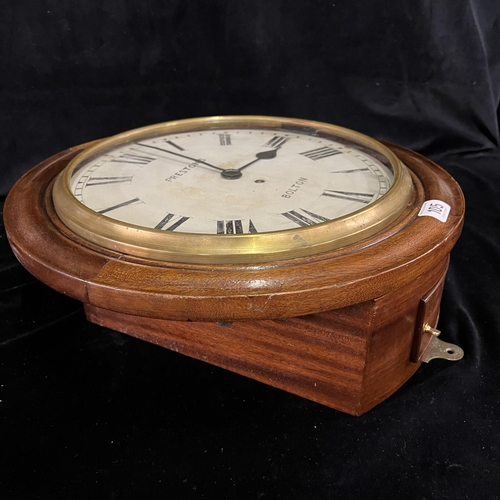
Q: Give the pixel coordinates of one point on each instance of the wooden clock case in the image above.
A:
(344, 328)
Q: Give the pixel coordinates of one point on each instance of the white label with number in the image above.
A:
(435, 208)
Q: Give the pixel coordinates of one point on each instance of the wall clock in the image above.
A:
(301, 254)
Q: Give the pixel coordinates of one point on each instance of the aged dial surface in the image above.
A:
(230, 181)
(262, 187)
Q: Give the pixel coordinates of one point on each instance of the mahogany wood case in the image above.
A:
(344, 328)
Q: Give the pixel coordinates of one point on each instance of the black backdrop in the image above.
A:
(87, 412)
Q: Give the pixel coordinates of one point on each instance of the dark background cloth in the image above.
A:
(86, 412)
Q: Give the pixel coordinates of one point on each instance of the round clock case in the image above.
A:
(339, 309)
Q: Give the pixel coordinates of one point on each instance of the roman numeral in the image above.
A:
(305, 218)
(234, 227)
(319, 153)
(277, 141)
(161, 225)
(172, 143)
(97, 181)
(134, 159)
(348, 195)
(225, 139)
(124, 204)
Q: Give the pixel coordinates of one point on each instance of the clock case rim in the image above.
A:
(395, 257)
(238, 248)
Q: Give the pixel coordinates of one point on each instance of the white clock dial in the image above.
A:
(234, 189)
(229, 181)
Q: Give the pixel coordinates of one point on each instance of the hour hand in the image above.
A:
(263, 155)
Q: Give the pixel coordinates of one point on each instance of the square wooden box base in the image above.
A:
(349, 359)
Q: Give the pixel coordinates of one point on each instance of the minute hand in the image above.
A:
(264, 155)
(197, 160)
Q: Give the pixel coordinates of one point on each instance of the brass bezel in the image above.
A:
(238, 248)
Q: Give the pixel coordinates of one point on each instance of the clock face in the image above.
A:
(232, 189)
(230, 181)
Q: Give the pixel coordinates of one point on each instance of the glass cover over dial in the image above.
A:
(231, 176)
